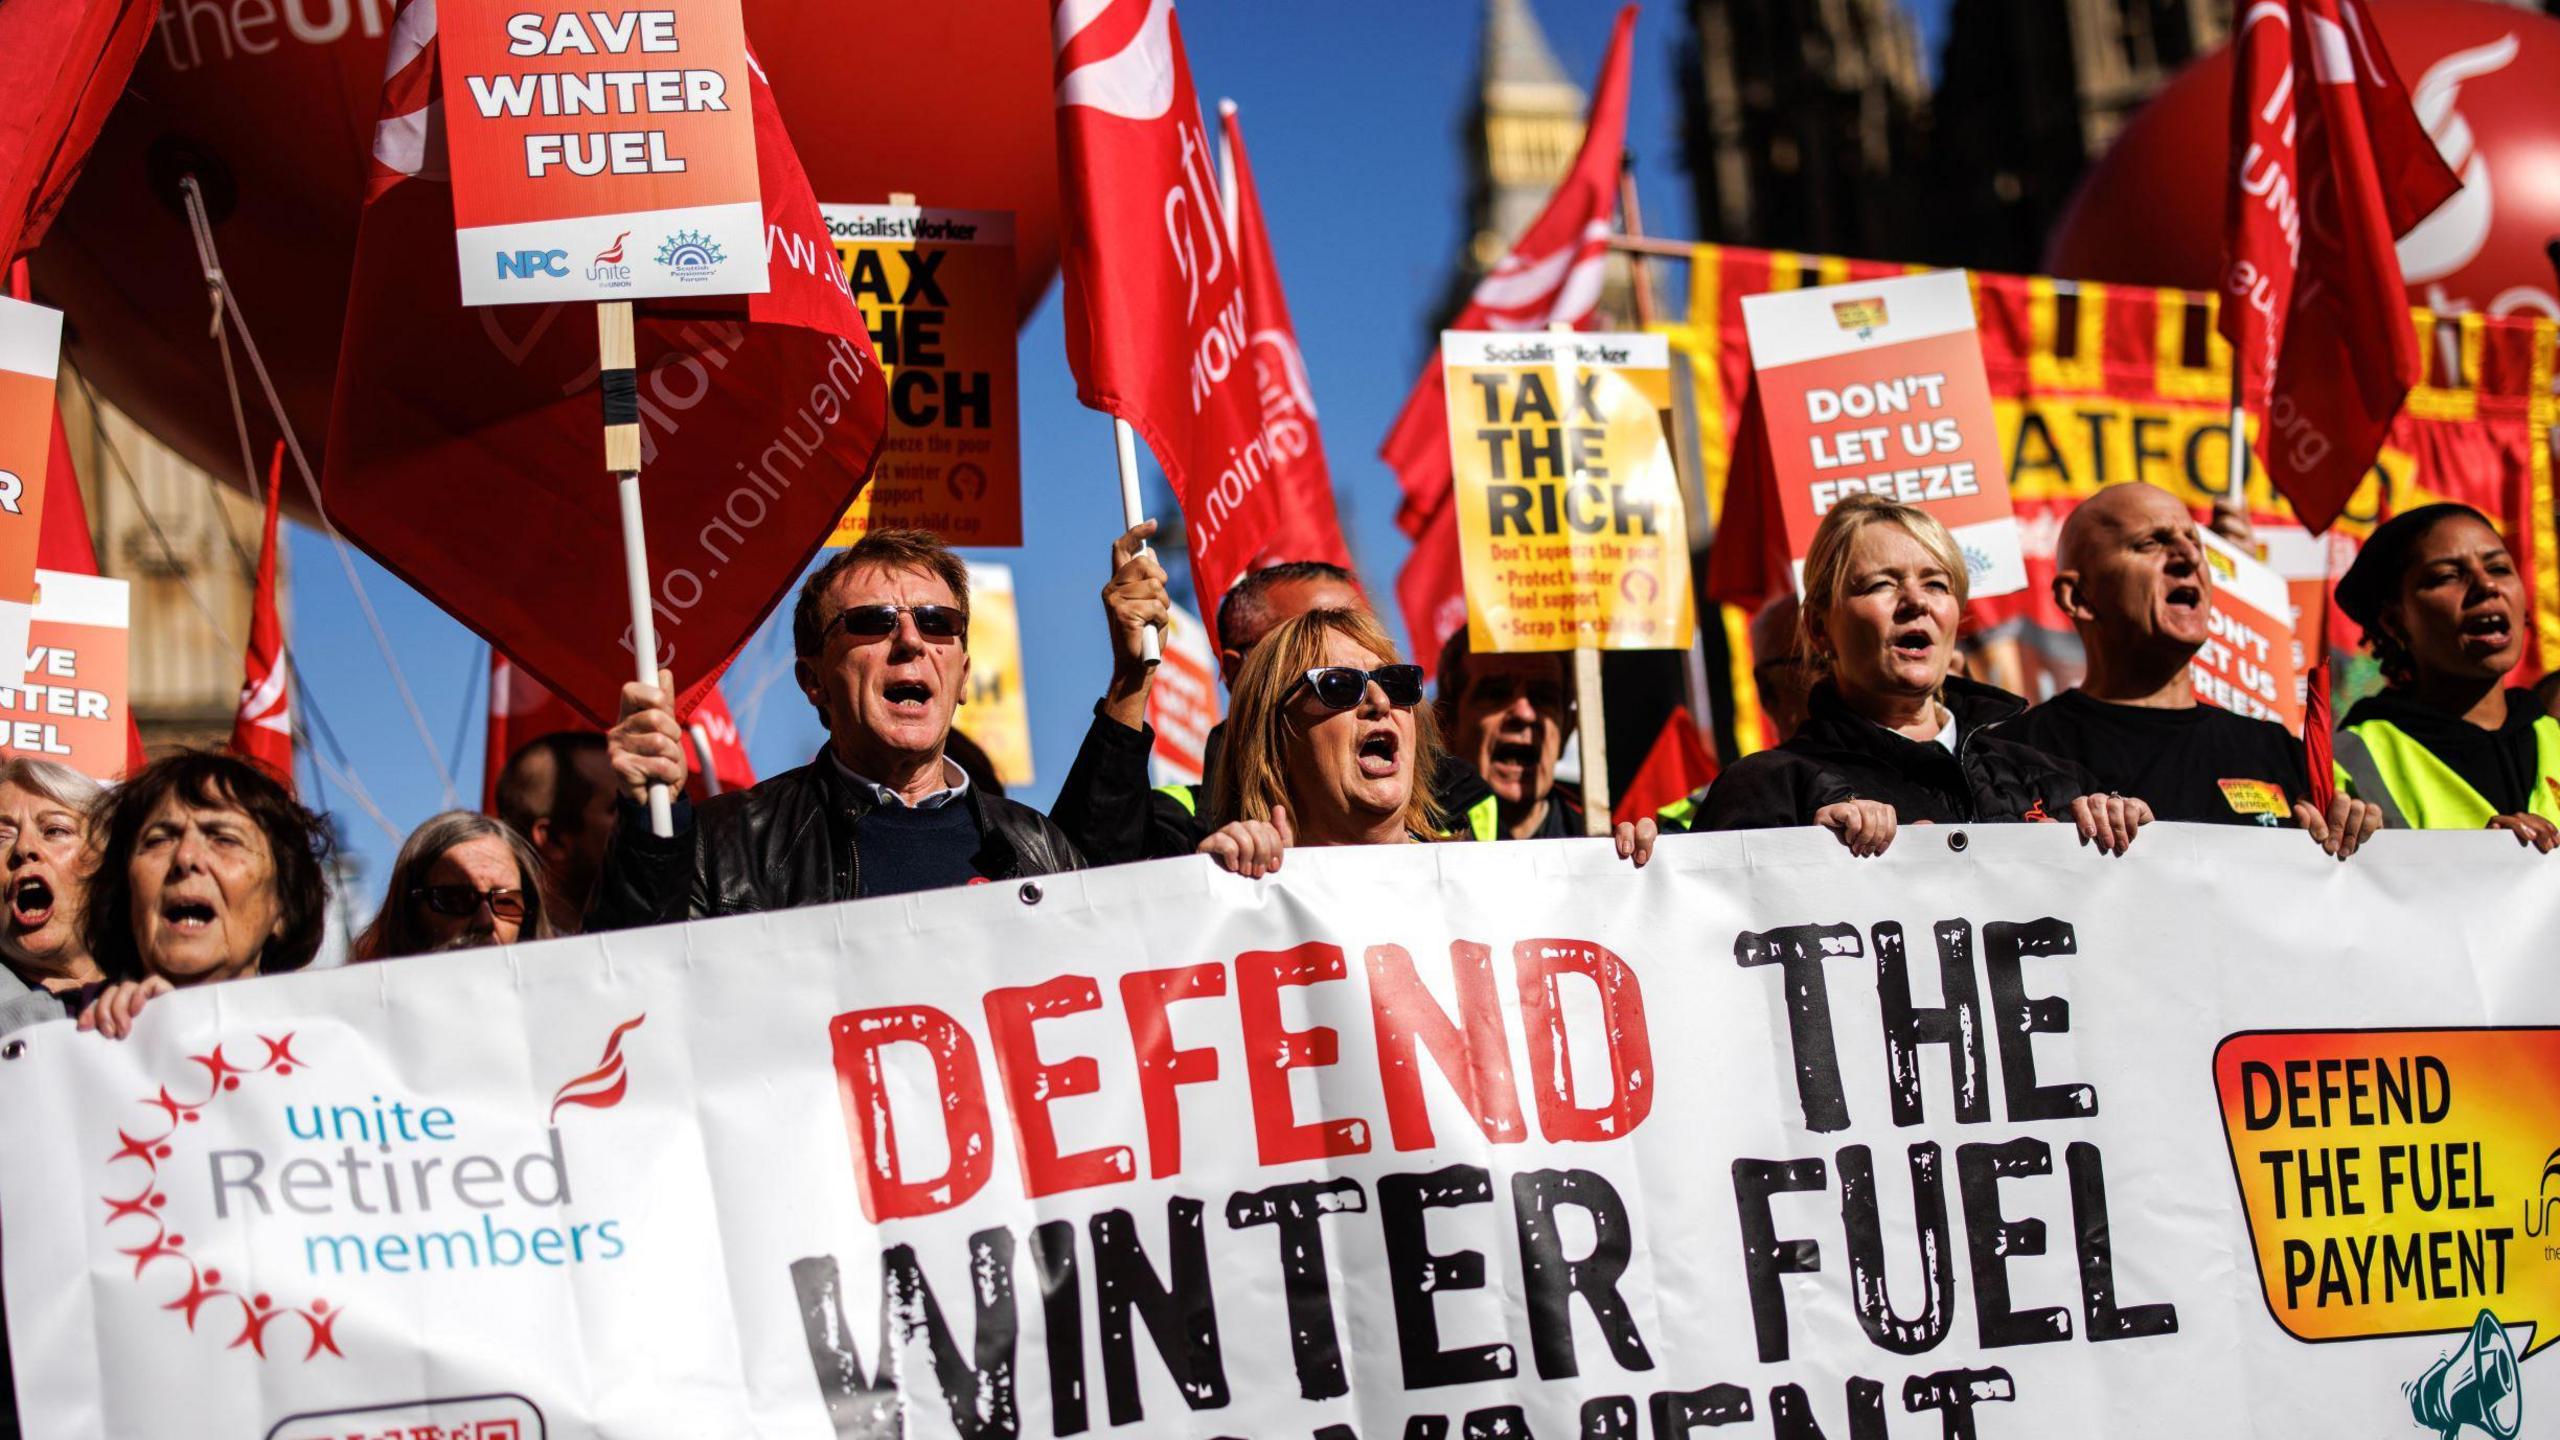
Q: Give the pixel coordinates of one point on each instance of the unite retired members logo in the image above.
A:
(348, 1191)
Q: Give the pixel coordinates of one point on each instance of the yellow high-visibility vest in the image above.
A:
(2380, 762)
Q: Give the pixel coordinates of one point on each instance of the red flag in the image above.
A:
(262, 733)
(1552, 276)
(1307, 526)
(1156, 324)
(465, 446)
(521, 711)
(1673, 769)
(2329, 166)
(1432, 592)
(2319, 740)
(63, 64)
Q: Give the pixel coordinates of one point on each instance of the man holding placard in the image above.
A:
(2130, 570)
(1571, 533)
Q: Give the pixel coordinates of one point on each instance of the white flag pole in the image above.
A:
(1133, 512)
(616, 354)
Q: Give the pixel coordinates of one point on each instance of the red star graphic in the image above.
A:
(323, 1330)
(253, 1327)
(139, 1207)
(280, 1056)
(198, 1292)
(175, 1108)
(133, 1149)
(221, 1073)
(160, 1247)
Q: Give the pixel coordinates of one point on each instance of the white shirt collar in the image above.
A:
(956, 785)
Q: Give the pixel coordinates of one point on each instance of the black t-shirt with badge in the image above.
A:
(2201, 764)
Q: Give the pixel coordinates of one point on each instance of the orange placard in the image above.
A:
(936, 289)
(603, 153)
(1877, 388)
(2399, 1182)
(30, 357)
(1571, 528)
(2248, 666)
(70, 706)
(997, 716)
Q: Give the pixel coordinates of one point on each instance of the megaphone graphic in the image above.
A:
(2475, 1385)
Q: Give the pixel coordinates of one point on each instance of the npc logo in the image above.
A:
(691, 256)
(533, 264)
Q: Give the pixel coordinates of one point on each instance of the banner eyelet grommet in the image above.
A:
(12, 1049)
(1957, 842)
(1030, 892)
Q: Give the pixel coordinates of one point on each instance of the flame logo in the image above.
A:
(1134, 81)
(603, 1087)
(612, 254)
(262, 703)
(2452, 237)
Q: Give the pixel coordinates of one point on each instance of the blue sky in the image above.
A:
(1352, 112)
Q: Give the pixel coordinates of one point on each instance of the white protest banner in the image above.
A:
(1182, 705)
(602, 153)
(1990, 1137)
(1877, 387)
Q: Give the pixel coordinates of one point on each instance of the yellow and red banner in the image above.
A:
(1876, 388)
(601, 154)
(996, 716)
(30, 360)
(1570, 525)
(935, 287)
(2093, 385)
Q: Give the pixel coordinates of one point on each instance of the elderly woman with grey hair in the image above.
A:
(46, 970)
(462, 880)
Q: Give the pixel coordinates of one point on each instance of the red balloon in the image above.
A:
(271, 104)
(2480, 75)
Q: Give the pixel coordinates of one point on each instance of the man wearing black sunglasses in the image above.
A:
(881, 632)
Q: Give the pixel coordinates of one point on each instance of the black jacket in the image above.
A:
(1107, 808)
(784, 842)
(1840, 755)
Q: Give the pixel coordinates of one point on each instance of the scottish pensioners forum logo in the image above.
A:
(690, 255)
(328, 1185)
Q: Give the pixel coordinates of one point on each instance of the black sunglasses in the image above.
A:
(874, 622)
(1339, 687)
(462, 900)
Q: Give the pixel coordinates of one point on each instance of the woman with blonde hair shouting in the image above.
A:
(1329, 743)
(1892, 737)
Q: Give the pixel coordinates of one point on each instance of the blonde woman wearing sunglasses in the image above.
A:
(1329, 743)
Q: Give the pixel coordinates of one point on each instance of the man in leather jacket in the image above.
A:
(881, 635)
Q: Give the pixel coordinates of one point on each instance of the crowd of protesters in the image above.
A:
(202, 867)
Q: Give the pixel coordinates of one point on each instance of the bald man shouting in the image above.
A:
(2130, 572)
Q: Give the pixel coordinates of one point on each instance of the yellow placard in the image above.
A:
(936, 289)
(996, 716)
(1570, 524)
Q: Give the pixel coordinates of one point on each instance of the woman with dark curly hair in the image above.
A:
(2448, 745)
(207, 871)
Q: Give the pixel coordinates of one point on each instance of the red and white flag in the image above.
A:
(1307, 527)
(465, 446)
(1156, 325)
(1553, 275)
(2330, 166)
(522, 711)
(262, 733)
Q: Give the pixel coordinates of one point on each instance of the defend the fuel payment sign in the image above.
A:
(601, 154)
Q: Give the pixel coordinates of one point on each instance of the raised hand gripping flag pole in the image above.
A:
(657, 183)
